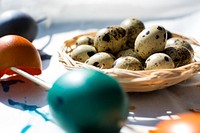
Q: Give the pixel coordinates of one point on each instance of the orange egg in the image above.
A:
(188, 123)
(16, 51)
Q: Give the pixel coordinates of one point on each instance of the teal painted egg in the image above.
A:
(91, 100)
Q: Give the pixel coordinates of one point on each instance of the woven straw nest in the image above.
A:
(137, 81)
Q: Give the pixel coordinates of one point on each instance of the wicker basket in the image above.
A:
(137, 81)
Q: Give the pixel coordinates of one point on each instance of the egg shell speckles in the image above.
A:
(150, 40)
(88, 40)
(102, 60)
(128, 62)
(180, 42)
(83, 52)
(130, 52)
(133, 27)
(159, 61)
(179, 54)
(110, 39)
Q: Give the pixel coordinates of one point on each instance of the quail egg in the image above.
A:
(128, 62)
(150, 40)
(179, 54)
(129, 52)
(159, 61)
(181, 42)
(83, 52)
(89, 40)
(110, 39)
(102, 60)
(133, 27)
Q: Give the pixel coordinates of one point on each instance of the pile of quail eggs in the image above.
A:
(132, 46)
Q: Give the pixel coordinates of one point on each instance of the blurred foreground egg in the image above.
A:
(90, 100)
(188, 123)
(15, 22)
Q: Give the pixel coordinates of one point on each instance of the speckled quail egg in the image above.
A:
(179, 54)
(88, 40)
(102, 60)
(180, 42)
(159, 61)
(129, 52)
(128, 62)
(133, 27)
(110, 39)
(150, 40)
(83, 52)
